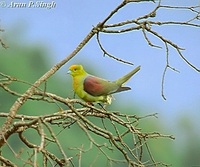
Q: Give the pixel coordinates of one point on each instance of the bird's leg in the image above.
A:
(74, 95)
(74, 98)
(102, 120)
(103, 107)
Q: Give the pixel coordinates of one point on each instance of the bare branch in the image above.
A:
(80, 117)
(2, 42)
(66, 160)
(148, 41)
(106, 53)
(7, 162)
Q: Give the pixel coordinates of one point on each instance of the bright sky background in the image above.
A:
(63, 27)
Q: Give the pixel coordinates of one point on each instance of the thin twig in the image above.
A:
(108, 54)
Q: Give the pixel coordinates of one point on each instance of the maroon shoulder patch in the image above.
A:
(93, 86)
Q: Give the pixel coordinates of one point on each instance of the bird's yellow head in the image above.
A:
(76, 70)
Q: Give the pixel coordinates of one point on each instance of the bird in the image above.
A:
(93, 89)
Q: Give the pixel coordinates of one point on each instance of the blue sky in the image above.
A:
(62, 28)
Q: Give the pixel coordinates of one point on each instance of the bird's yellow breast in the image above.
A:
(78, 86)
(76, 82)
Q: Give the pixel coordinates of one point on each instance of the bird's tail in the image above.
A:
(126, 77)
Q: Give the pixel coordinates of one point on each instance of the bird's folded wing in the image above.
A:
(99, 87)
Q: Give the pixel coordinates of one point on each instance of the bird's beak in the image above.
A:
(69, 72)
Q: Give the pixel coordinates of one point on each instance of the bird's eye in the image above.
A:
(75, 69)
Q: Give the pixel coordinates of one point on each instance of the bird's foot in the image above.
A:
(89, 103)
